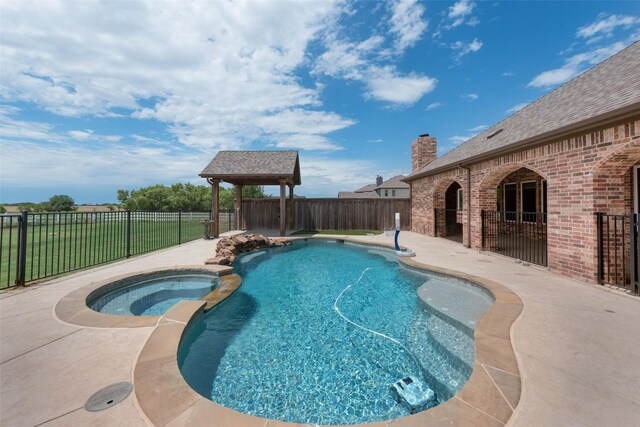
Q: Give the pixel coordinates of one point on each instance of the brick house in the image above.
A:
(537, 178)
(393, 188)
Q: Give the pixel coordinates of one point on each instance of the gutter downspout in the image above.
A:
(468, 203)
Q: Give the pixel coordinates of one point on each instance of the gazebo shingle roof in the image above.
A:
(254, 167)
(605, 90)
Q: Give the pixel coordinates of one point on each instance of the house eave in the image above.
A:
(610, 118)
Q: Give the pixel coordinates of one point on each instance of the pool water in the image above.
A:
(153, 297)
(280, 348)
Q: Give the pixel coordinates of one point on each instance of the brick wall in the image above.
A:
(585, 173)
(424, 150)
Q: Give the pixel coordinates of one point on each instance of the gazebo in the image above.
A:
(276, 167)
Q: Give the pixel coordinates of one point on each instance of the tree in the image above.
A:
(254, 192)
(30, 207)
(184, 197)
(123, 196)
(3, 209)
(189, 197)
(59, 203)
(228, 195)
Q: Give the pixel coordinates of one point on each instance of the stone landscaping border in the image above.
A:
(73, 307)
(487, 399)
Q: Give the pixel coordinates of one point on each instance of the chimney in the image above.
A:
(424, 150)
(378, 180)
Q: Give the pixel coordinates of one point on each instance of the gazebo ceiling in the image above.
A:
(255, 167)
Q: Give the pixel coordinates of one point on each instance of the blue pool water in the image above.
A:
(279, 347)
(153, 297)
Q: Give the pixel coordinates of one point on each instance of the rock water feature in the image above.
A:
(229, 248)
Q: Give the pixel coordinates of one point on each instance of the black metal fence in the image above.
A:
(38, 245)
(618, 250)
(521, 235)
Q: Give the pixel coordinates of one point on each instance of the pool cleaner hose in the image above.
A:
(380, 334)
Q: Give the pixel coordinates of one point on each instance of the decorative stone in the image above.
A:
(228, 248)
(217, 260)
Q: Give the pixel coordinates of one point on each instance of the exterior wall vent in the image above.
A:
(494, 133)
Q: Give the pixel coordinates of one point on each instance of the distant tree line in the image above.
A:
(57, 203)
(176, 197)
(182, 197)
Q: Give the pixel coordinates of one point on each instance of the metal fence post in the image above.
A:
(22, 248)
(179, 227)
(435, 223)
(482, 227)
(634, 252)
(128, 234)
(600, 252)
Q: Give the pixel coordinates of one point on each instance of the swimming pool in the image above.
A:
(320, 330)
(151, 295)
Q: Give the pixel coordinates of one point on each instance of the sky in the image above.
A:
(101, 96)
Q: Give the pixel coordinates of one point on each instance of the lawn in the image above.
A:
(58, 247)
(339, 232)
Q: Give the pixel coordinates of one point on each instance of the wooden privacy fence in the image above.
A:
(328, 214)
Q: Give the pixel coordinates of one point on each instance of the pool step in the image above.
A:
(228, 285)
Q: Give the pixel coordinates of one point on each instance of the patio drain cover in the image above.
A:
(108, 397)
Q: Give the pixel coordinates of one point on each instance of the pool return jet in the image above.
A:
(400, 251)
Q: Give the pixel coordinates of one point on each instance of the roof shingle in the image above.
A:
(606, 88)
(254, 164)
(394, 183)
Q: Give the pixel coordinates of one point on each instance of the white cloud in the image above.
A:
(323, 175)
(463, 48)
(357, 61)
(434, 105)
(302, 122)
(574, 66)
(306, 142)
(460, 10)
(508, 74)
(210, 75)
(516, 108)
(10, 128)
(606, 25)
(71, 160)
(346, 60)
(385, 84)
(457, 139)
(407, 24)
(80, 134)
(470, 96)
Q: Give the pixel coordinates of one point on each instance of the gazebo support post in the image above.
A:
(239, 222)
(292, 208)
(283, 209)
(215, 207)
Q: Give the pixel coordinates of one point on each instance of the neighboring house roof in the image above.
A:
(393, 183)
(366, 188)
(369, 191)
(606, 91)
(254, 167)
(358, 195)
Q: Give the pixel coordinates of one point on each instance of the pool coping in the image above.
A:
(73, 308)
(488, 398)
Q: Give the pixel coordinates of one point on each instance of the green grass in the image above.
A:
(340, 232)
(57, 249)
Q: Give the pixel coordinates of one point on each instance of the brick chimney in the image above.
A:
(379, 180)
(424, 150)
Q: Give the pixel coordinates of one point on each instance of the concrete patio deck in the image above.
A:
(577, 344)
